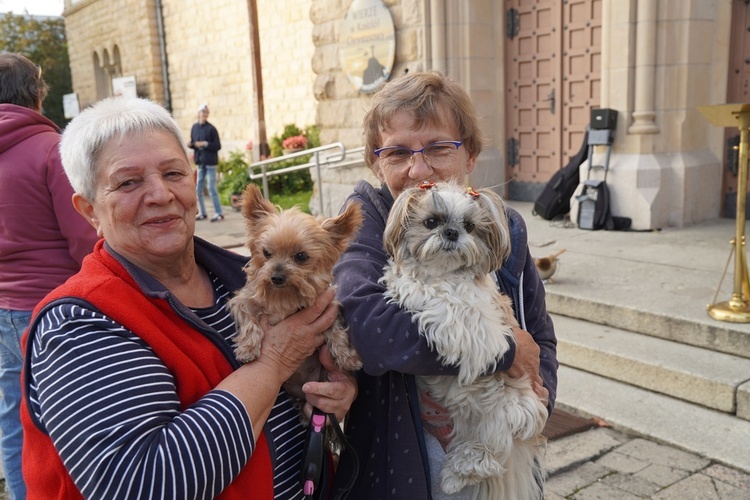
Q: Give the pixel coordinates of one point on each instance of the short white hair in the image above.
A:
(88, 133)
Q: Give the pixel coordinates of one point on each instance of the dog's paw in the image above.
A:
(348, 361)
(527, 418)
(470, 463)
(245, 354)
(454, 478)
(342, 351)
(451, 483)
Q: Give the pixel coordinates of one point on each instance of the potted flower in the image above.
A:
(293, 144)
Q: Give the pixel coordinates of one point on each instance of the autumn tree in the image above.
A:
(42, 40)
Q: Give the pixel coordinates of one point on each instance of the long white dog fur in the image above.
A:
(444, 242)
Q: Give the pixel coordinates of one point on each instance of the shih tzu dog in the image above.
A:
(291, 262)
(444, 242)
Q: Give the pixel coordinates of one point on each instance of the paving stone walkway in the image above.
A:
(606, 464)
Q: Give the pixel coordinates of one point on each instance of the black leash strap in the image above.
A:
(355, 460)
(314, 453)
(312, 466)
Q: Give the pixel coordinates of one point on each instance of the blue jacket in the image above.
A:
(384, 425)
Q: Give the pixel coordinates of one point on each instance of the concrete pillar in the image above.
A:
(437, 35)
(645, 69)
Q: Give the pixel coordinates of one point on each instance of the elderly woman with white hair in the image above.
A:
(131, 387)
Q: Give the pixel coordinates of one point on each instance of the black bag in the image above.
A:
(593, 206)
(554, 200)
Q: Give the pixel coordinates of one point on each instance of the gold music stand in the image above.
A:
(736, 309)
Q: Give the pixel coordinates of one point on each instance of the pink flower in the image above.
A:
(294, 142)
(249, 145)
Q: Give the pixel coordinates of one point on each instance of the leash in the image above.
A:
(312, 465)
(315, 456)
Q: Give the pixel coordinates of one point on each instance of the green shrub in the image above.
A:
(234, 176)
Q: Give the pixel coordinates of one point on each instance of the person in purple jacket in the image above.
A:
(42, 238)
(396, 459)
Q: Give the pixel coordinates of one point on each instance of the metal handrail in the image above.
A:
(315, 161)
(350, 152)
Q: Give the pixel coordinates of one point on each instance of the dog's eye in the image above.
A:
(469, 226)
(301, 257)
(266, 254)
(431, 222)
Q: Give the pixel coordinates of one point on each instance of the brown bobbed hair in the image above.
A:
(21, 81)
(430, 97)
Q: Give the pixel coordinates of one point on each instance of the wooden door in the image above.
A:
(553, 50)
(738, 90)
(581, 72)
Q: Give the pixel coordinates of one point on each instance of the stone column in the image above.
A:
(437, 26)
(645, 69)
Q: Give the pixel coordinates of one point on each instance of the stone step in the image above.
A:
(705, 377)
(696, 329)
(715, 435)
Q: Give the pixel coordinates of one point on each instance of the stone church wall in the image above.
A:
(97, 27)
(210, 60)
(286, 52)
(341, 107)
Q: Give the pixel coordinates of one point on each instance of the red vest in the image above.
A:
(195, 362)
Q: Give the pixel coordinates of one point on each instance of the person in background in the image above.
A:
(42, 238)
(204, 140)
(413, 119)
(131, 386)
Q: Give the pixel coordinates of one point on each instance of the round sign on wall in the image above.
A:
(367, 44)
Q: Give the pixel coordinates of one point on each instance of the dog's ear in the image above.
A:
(398, 221)
(495, 232)
(254, 205)
(344, 227)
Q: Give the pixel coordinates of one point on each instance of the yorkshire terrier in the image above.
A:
(292, 255)
(444, 242)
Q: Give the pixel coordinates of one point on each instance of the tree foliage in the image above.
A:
(42, 40)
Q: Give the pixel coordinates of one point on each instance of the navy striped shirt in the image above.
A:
(111, 408)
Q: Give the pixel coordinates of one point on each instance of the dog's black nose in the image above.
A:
(450, 233)
(278, 279)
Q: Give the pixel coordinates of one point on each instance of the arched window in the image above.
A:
(106, 69)
(116, 68)
(103, 83)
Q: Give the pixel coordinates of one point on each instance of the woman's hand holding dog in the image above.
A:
(294, 339)
(285, 346)
(334, 396)
(526, 362)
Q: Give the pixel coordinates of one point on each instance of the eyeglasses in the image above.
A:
(437, 154)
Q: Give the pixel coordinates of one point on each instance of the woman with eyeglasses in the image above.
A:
(421, 127)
